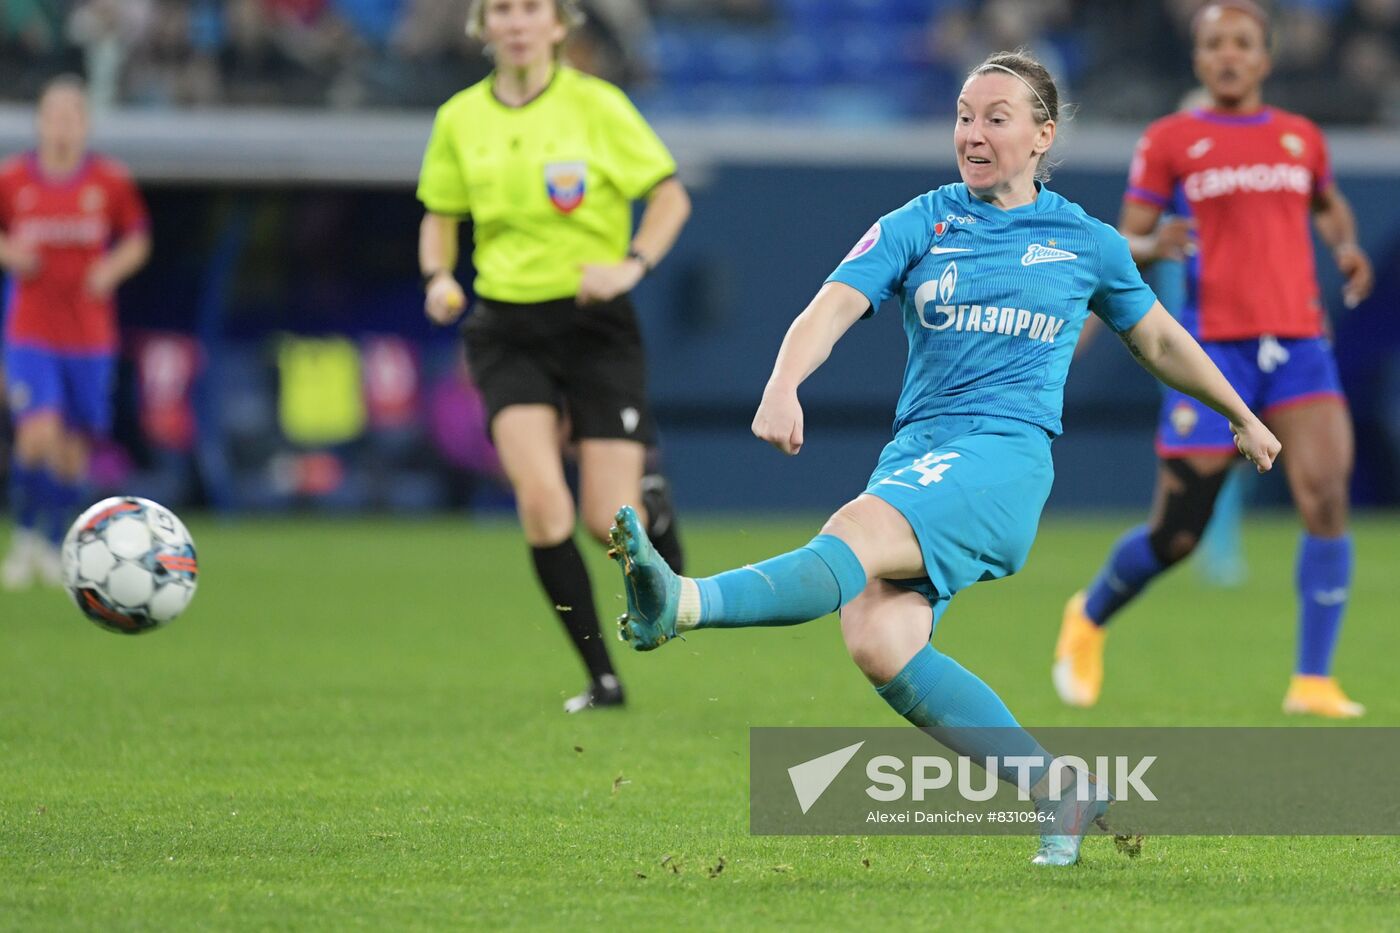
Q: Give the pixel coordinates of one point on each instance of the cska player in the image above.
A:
(72, 228)
(1242, 180)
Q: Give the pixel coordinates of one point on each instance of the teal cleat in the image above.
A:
(1072, 819)
(653, 588)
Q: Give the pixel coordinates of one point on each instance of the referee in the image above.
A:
(547, 162)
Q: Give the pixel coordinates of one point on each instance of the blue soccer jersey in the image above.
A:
(993, 299)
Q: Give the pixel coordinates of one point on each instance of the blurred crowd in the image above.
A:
(1337, 60)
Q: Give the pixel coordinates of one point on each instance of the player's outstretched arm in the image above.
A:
(1171, 354)
(807, 345)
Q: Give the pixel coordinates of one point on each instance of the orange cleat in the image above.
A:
(1078, 670)
(1315, 695)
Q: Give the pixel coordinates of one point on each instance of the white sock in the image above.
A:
(688, 612)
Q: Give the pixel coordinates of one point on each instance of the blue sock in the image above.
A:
(1220, 558)
(1324, 573)
(957, 708)
(795, 587)
(26, 494)
(62, 507)
(1130, 567)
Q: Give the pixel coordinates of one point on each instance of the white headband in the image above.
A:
(1017, 75)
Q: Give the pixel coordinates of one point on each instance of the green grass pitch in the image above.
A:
(358, 726)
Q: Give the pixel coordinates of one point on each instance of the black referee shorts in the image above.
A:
(584, 360)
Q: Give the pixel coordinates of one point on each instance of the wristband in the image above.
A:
(646, 263)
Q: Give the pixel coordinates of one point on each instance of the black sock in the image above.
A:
(661, 520)
(565, 580)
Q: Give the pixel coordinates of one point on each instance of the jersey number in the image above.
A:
(930, 468)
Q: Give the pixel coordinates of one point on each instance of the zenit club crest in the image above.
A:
(566, 182)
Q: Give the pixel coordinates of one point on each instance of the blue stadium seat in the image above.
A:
(674, 55)
(799, 59)
(800, 13)
(740, 56)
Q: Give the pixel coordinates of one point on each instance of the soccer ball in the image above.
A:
(130, 565)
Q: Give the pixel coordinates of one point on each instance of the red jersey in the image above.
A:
(71, 222)
(1249, 182)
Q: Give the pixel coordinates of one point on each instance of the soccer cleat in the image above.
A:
(605, 691)
(1078, 669)
(653, 588)
(661, 520)
(1072, 818)
(17, 570)
(1316, 695)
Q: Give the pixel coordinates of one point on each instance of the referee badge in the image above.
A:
(566, 183)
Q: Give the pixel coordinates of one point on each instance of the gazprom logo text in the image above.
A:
(986, 319)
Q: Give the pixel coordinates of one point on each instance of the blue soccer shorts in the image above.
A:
(77, 386)
(1269, 374)
(972, 488)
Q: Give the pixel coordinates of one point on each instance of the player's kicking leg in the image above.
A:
(789, 589)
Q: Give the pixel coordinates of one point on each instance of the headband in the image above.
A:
(1017, 75)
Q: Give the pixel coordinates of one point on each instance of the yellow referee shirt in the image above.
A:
(549, 185)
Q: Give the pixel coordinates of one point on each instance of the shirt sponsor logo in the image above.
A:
(948, 282)
(1035, 254)
(865, 244)
(566, 182)
(965, 219)
(985, 319)
(62, 231)
(1219, 182)
(940, 228)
